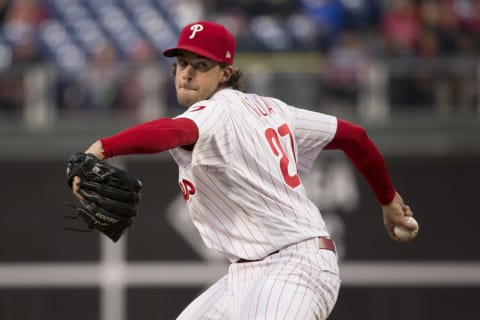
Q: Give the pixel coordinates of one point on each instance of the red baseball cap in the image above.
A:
(208, 39)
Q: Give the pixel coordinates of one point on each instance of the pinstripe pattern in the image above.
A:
(301, 282)
(242, 206)
(211, 304)
(247, 201)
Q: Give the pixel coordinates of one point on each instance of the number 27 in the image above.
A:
(273, 138)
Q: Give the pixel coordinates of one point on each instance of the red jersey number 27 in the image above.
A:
(273, 137)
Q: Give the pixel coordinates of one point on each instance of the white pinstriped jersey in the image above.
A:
(240, 181)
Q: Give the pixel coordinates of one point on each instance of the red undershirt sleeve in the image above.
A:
(357, 146)
(151, 137)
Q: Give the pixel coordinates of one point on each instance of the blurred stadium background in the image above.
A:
(75, 70)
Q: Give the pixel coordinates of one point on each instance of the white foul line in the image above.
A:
(184, 274)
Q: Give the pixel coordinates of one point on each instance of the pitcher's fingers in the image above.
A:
(76, 187)
(407, 210)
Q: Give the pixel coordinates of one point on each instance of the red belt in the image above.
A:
(322, 243)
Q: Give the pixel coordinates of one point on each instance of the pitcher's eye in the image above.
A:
(182, 63)
(201, 66)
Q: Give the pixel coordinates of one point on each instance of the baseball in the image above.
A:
(404, 234)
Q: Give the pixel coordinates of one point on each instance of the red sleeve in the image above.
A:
(151, 137)
(355, 143)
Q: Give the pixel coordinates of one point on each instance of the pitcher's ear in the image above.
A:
(227, 73)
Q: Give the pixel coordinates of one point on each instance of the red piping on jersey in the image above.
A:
(151, 137)
(357, 146)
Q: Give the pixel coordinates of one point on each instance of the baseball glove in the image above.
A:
(110, 195)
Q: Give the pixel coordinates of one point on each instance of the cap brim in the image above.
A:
(173, 52)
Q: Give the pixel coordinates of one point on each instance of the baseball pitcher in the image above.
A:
(239, 156)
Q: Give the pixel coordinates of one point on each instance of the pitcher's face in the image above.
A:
(197, 78)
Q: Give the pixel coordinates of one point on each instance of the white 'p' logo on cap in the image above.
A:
(195, 28)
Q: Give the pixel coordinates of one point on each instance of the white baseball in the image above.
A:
(405, 234)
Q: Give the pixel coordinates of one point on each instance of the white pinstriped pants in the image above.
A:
(299, 282)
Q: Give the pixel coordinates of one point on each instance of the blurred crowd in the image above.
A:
(93, 44)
